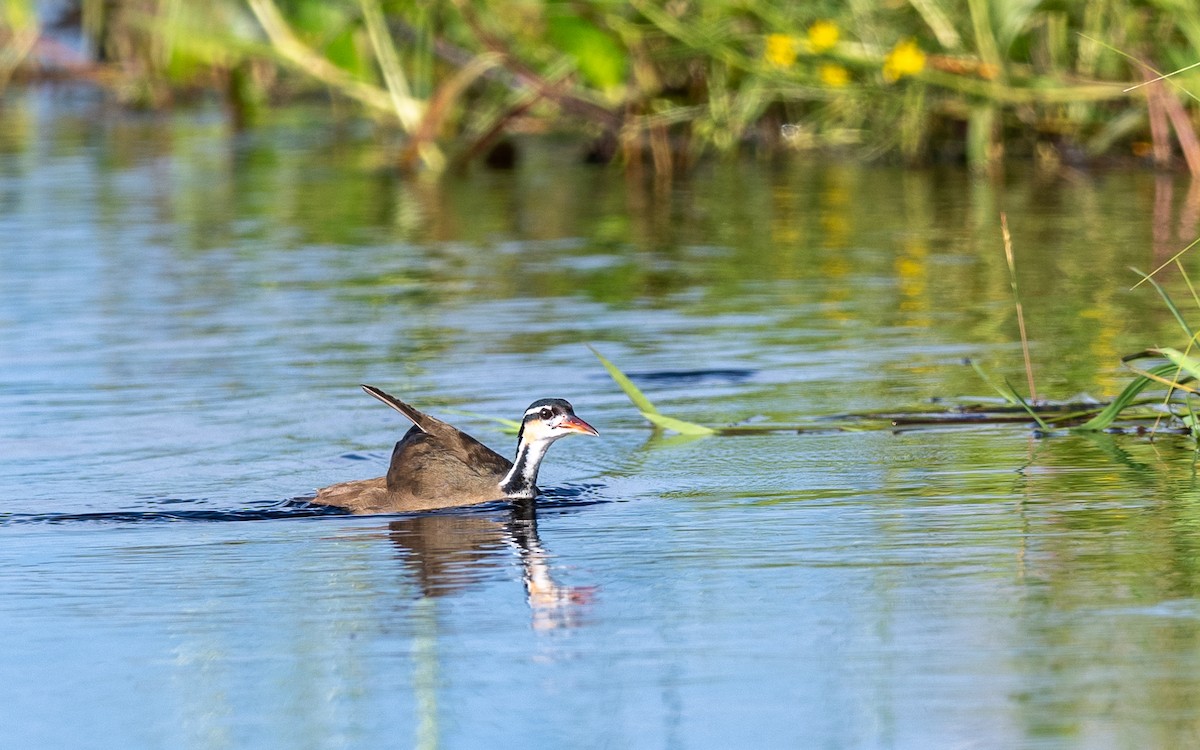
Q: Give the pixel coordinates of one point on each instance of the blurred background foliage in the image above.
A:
(658, 85)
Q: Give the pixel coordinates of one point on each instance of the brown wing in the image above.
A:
(434, 465)
(361, 496)
(441, 469)
(424, 474)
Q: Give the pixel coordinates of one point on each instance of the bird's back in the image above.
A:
(433, 466)
(441, 468)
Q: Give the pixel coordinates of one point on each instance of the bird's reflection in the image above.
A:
(451, 552)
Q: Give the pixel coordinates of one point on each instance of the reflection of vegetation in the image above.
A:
(1117, 559)
(662, 82)
(775, 276)
(1177, 373)
(18, 35)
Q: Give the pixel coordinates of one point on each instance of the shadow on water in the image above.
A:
(691, 377)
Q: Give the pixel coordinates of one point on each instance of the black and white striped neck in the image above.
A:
(521, 480)
(545, 421)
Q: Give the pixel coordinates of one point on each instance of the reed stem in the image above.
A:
(1012, 276)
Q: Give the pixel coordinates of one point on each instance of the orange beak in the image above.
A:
(576, 424)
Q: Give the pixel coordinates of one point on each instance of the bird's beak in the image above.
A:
(575, 424)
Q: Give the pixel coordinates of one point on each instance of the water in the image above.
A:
(185, 316)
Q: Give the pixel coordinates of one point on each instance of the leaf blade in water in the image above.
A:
(634, 393)
(1006, 395)
(677, 425)
(1184, 362)
(1105, 418)
(646, 407)
(1025, 405)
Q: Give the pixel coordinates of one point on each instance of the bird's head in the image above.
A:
(549, 419)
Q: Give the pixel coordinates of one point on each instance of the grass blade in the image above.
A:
(1028, 409)
(1105, 418)
(677, 425)
(1006, 395)
(1012, 277)
(644, 405)
(1174, 258)
(634, 393)
(408, 109)
(1187, 364)
(1167, 298)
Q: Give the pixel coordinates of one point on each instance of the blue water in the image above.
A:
(185, 315)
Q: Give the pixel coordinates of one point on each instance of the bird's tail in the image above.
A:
(419, 418)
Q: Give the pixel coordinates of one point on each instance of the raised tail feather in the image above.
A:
(420, 419)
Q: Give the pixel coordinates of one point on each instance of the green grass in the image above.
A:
(984, 79)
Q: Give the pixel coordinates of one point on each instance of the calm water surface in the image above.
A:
(185, 316)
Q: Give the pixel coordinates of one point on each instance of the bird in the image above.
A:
(436, 465)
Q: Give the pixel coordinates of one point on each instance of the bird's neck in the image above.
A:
(521, 480)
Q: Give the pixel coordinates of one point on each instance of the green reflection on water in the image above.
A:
(829, 255)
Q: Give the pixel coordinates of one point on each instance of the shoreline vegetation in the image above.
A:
(657, 86)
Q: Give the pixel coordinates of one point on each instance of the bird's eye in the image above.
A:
(545, 412)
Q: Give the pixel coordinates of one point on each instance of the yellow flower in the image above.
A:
(905, 59)
(833, 75)
(780, 50)
(822, 35)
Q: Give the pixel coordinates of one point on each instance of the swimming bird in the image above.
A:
(436, 465)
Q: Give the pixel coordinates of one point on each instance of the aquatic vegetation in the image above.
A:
(1127, 412)
(1176, 373)
(663, 82)
(1173, 411)
(643, 404)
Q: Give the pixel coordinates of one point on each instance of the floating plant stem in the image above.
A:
(1048, 416)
